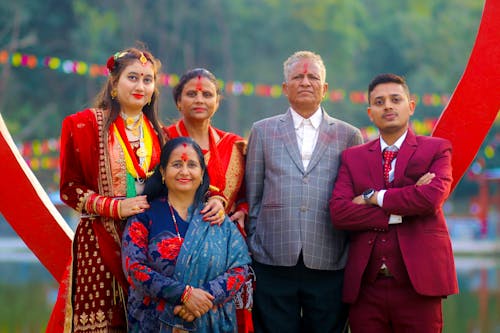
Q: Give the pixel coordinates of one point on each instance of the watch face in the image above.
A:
(368, 193)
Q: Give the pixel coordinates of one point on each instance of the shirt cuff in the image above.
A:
(395, 219)
(380, 198)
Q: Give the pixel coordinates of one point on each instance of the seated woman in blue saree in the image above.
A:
(183, 272)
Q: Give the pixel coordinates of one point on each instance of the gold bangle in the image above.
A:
(119, 208)
(221, 198)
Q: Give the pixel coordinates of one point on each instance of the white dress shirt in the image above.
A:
(307, 131)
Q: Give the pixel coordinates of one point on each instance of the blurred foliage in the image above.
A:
(25, 306)
(427, 41)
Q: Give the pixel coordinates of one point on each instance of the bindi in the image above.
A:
(306, 65)
(184, 156)
(199, 86)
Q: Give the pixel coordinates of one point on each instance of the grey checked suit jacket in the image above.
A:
(288, 206)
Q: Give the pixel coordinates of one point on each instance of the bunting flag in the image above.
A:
(44, 154)
(235, 88)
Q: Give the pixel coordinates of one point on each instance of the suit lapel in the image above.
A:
(289, 138)
(375, 167)
(405, 153)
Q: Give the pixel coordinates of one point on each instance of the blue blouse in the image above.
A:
(158, 265)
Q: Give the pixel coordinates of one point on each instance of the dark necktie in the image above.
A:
(389, 154)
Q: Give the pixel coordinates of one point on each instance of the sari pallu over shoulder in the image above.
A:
(206, 256)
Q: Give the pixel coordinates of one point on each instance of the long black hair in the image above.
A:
(155, 187)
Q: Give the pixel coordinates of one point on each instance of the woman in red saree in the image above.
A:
(197, 98)
(107, 153)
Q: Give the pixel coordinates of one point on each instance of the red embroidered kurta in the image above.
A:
(92, 161)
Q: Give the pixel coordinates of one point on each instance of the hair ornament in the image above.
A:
(143, 59)
(110, 64)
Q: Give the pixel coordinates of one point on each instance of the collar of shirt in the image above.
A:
(315, 118)
(398, 142)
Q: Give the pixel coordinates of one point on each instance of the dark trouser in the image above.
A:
(298, 299)
(386, 306)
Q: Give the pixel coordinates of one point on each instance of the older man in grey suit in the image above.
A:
(292, 163)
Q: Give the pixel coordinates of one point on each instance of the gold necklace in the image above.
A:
(132, 123)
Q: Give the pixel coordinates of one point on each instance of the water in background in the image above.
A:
(28, 291)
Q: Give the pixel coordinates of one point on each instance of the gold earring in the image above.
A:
(114, 93)
(162, 180)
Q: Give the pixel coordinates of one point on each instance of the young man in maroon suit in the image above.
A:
(400, 263)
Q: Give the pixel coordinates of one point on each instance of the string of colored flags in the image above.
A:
(235, 88)
(44, 154)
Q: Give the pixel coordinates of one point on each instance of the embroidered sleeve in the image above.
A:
(73, 188)
(215, 193)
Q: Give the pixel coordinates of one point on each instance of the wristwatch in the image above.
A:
(368, 194)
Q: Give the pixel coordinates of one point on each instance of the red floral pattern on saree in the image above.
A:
(169, 248)
(235, 282)
(141, 275)
(139, 234)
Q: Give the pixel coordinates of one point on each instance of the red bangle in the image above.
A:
(115, 209)
(90, 204)
(186, 294)
(106, 203)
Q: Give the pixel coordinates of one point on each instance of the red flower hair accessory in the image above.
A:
(110, 64)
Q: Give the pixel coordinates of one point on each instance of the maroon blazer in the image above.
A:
(423, 236)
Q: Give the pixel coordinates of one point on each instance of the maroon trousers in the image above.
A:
(388, 305)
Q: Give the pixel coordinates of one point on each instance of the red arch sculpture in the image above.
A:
(475, 102)
(465, 121)
(28, 209)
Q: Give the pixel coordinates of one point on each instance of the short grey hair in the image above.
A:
(299, 55)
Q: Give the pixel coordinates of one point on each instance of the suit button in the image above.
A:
(303, 209)
(305, 180)
(370, 242)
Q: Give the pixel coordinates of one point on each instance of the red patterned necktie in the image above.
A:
(389, 154)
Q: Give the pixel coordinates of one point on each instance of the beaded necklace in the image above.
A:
(175, 220)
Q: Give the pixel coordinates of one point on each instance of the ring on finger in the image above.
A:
(221, 213)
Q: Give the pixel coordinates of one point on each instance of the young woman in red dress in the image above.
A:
(107, 152)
